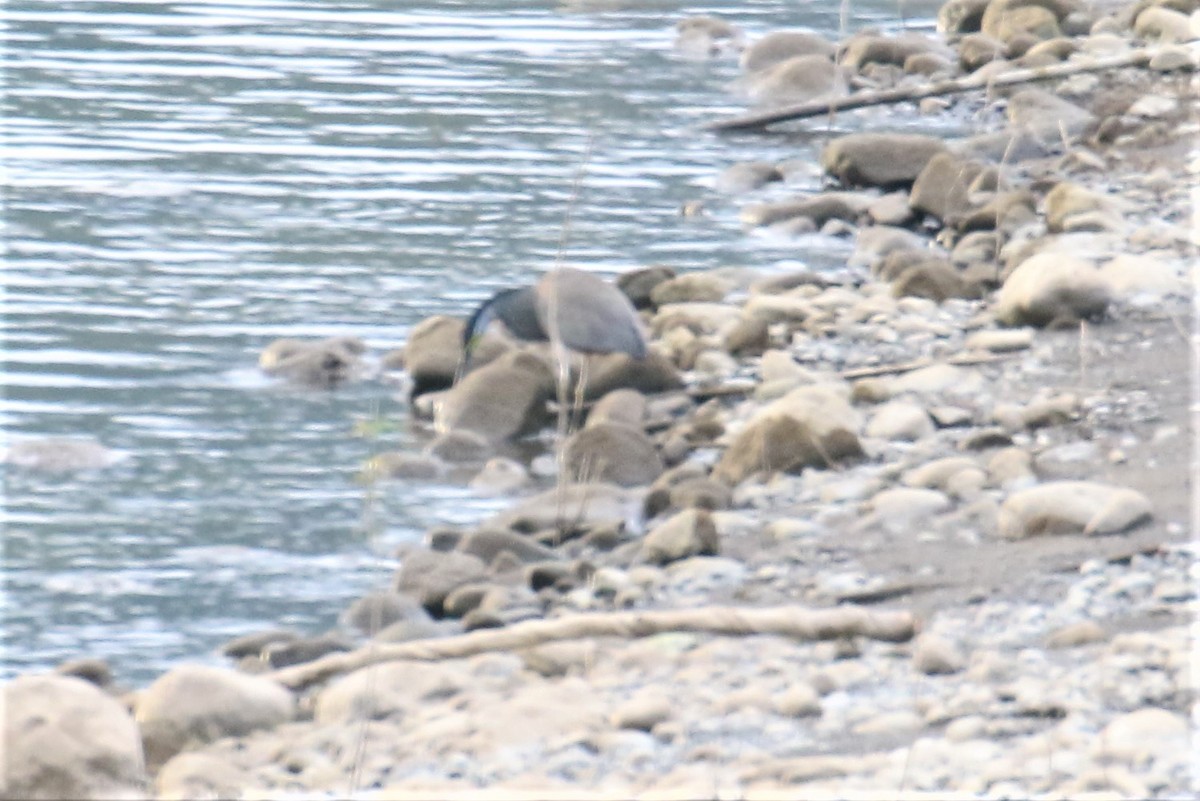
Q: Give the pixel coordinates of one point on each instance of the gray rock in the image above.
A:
(1072, 507)
(779, 46)
(316, 364)
(941, 188)
(653, 374)
(690, 287)
(688, 533)
(487, 544)
(747, 176)
(1144, 734)
(429, 576)
(584, 505)
(1052, 289)
(254, 644)
(1046, 114)
(978, 49)
(935, 656)
(460, 446)
(706, 37)
(198, 775)
(935, 279)
(614, 453)
(799, 79)
(1000, 341)
(642, 712)
(638, 284)
(799, 701)
(773, 444)
(900, 420)
(1163, 25)
(865, 49)
(432, 353)
(961, 16)
(402, 465)
(500, 476)
(198, 703)
(900, 507)
(379, 609)
(305, 649)
(65, 738)
(1074, 635)
(848, 206)
(501, 400)
(627, 406)
(889, 161)
(386, 690)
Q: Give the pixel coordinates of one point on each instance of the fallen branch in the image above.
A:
(959, 360)
(788, 621)
(763, 119)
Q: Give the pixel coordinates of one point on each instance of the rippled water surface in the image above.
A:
(188, 181)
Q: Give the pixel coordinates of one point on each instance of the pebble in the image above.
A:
(899, 420)
(642, 712)
(935, 656)
(1073, 635)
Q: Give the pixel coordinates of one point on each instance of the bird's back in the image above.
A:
(593, 315)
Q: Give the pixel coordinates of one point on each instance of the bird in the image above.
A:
(567, 306)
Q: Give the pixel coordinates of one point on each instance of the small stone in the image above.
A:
(799, 701)
(901, 722)
(935, 656)
(1142, 735)
(1001, 341)
(500, 476)
(689, 533)
(1072, 507)
(900, 420)
(884, 160)
(643, 712)
(1073, 635)
(1050, 289)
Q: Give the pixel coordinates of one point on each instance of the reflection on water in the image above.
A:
(187, 181)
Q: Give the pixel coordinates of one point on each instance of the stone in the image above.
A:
(936, 656)
(700, 493)
(614, 453)
(58, 454)
(651, 375)
(1051, 288)
(799, 701)
(899, 507)
(433, 351)
(429, 576)
(642, 712)
(66, 738)
(961, 16)
(1144, 734)
(93, 671)
(379, 609)
(977, 49)
(199, 704)
(627, 406)
(320, 364)
(779, 46)
(1029, 23)
(1046, 114)
(689, 533)
(935, 279)
(1142, 277)
(899, 420)
(1163, 26)
(929, 65)
(799, 79)
(747, 176)
(487, 544)
(768, 445)
(749, 336)
(875, 242)
(1072, 507)
(865, 49)
(500, 476)
(459, 446)
(1011, 468)
(502, 400)
(1074, 635)
(381, 691)
(402, 465)
(941, 188)
(586, 505)
(889, 161)
(638, 284)
(704, 36)
(938, 473)
(254, 644)
(1066, 200)
(198, 775)
(690, 287)
(1048, 52)
(822, 208)
(891, 209)
(1007, 340)
(305, 649)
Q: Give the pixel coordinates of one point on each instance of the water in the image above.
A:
(188, 181)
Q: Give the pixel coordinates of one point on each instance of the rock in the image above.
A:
(651, 375)
(699, 493)
(900, 420)
(688, 533)
(197, 775)
(487, 544)
(799, 79)
(305, 649)
(890, 161)
(59, 454)
(379, 609)
(1144, 278)
(1051, 51)
(874, 243)
(706, 37)
(750, 336)
(1173, 59)
(1046, 114)
(626, 406)
(382, 691)
(1142, 735)
(779, 46)
(1074, 635)
(1067, 200)
(1163, 26)
(1012, 468)
(747, 176)
(938, 473)
(613, 453)
(586, 505)
(253, 645)
(935, 656)
(891, 209)
(433, 351)
(899, 507)
(691, 287)
(1072, 507)
(429, 576)
(401, 465)
(929, 65)
(500, 476)
(978, 49)
(638, 284)
(642, 712)
(935, 279)
(799, 701)
(503, 399)
(864, 49)
(93, 671)
(1052, 289)
(772, 309)
(1000, 341)
(318, 365)
(65, 738)
(199, 704)
(941, 188)
(1012, 22)
(961, 16)
(768, 445)
(460, 446)
(848, 206)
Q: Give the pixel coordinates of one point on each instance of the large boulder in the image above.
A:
(865, 49)
(434, 348)
(613, 452)
(886, 160)
(430, 576)
(942, 187)
(799, 79)
(198, 704)
(501, 400)
(65, 738)
(768, 445)
(1052, 289)
(779, 46)
(655, 373)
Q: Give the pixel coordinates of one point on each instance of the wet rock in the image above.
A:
(653, 374)
(197, 703)
(196, 775)
(867, 48)
(1072, 507)
(638, 284)
(1010, 21)
(874, 243)
(305, 649)
(691, 287)
(779, 46)
(941, 188)
(706, 37)
(747, 176)
(429, 576)
(318, 365)
(500, 476)
(1163, 26)
(899, 420)
(1052, 289)
(891, 209)
(58, 454)
(461, 446)
(1074, 635)
(849, 206)
(934, 279)
(1011, 468)
(1046, 114)
(433, 351)
(402, 465)
(1051, 51)
(382, 691)
(889, 161)
(642, 712)
(501, 400)
(749, 336)
(613, 453)
(93, 671)
(625, 406)
(379, 609)
(1000, 341)
(935, 656)
(929, 65)
(961, 16)
(253, 645)
(799, 79)
(65, 738)
(688, 533)
(487, 544)
(978, 49)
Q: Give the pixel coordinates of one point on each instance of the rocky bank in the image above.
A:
(984, 420)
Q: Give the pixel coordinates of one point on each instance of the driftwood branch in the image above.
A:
(958, 360)
(763, 119)
(788, 621)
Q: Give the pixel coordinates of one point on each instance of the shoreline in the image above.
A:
(1032, 509)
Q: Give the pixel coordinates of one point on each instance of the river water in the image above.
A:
(188, 181)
